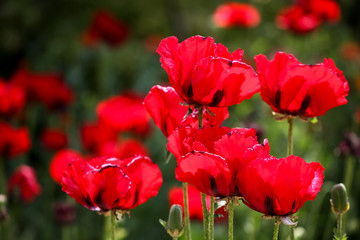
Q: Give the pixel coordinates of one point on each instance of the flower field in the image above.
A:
(179, 119)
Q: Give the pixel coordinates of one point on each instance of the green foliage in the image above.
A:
(338, 236)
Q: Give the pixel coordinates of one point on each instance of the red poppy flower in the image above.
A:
(124, 113)
(163, 104)
(186, 139)
(104, 184)
(297, 19)
(13, 142)
(59, 162)
(106, 28)
(94, 135)
(47, 88)
(236, 14)
(328, 10)
(214, 174)
(54, 139)
(293, 88)
(176, 196)
(25, 179)
(306, 15)
(12, 99)
(205, 73)
(123, 148)
(279, 187)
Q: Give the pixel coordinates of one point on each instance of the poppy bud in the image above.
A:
(174, 226)
(339, 199)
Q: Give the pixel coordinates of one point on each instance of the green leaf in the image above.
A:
(168, 156)
(163, 223)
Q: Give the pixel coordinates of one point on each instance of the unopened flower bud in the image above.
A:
(339, 199)
(174, 226)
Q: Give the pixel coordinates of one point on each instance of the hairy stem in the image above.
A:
(211, 218)
(276, 230)
(290, 152)
(112, 225)
(205, 217)
(231, 220)
(186, 210)
(339, 224)
(290, 136)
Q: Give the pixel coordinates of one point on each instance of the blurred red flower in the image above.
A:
(54, 139)
(279, 187)
(232, 14)
(123, 148)
(12, 99)
(104, 184)
(163, 104)
(24, 178)
(124, 113)
(328, 10)
(295, 18)
(214, 173)
(293, 88)
(207, 74)
(59, 162)
(151, 42)
(94, 135)
(306, 15)
(47, 88)
(13, 142)
(350, 51)
(106, 28)
(176, 196)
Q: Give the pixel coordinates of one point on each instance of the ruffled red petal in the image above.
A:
(208, 172)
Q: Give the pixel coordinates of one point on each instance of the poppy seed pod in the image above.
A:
(339, 199)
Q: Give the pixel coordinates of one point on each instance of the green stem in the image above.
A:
(112, 221)
(231, 220)
(2, 176)
(65, 233)
(201, 110)
(339, 224)
(290, 136)
(211, 218)
(186, 209)
(292, 232)
(276, 230)
(205, 217)
(290, 150)
(349, 173)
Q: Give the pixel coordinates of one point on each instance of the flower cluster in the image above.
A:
(230, 162)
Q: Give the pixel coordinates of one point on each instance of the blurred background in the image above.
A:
(98, 49)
